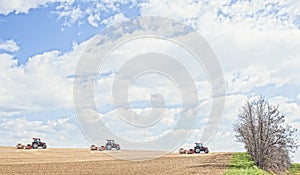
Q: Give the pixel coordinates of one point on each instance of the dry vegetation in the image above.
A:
(268, 138)
(82, 161)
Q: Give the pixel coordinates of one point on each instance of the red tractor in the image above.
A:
(111, 144)
(199, 147)
(37, 143)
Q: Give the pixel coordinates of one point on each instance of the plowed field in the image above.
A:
(85, 162)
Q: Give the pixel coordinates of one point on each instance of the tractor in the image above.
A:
(111, 144)
(37, 143)
(199, 147)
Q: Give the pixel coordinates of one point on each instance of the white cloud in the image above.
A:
(253, 14)
(117, 18)
(7, 61)
(246, 79)
(115, 121)
(17, 6)
(179, 9)
(9, 46)
(93, 20)
(71, 15)
(42, 83)
(62, 132)
(93, 12)
(254, 42)
(255, 58)
(288, 107)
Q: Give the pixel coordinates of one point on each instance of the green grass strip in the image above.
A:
(242, 164)
(295, 169)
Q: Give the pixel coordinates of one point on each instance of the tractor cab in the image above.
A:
(199, 147)
(37, 140)
(110, 142)
(199, 144)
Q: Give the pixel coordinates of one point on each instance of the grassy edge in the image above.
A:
(241, 163)
(295, 169)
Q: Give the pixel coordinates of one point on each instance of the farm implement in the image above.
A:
(36, 143)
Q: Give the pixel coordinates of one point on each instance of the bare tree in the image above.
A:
(267, 137)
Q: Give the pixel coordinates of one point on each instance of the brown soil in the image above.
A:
(82, 161)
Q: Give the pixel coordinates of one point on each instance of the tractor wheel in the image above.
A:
(44, 146)
(197, 150)
(35, 145)
(118, 147)
(206, 151)
(108, 147)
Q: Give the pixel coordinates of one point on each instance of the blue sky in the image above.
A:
(41, 30)
(41, 42)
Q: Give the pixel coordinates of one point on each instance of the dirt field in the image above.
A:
(82, 161)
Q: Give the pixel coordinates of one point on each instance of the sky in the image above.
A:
(41, 44)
